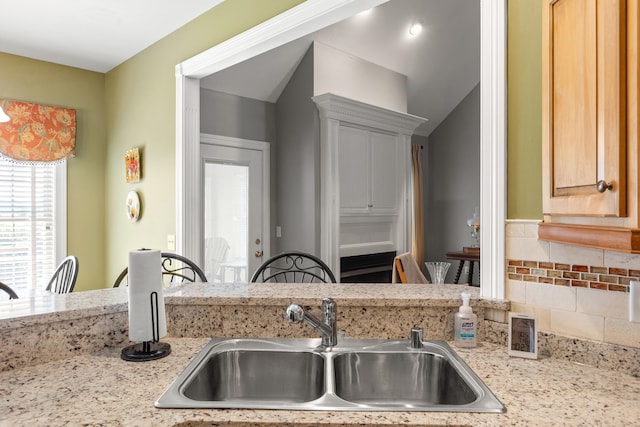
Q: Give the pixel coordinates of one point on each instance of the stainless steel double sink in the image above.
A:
(355, 375)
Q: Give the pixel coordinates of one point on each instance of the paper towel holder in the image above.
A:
(148, 350)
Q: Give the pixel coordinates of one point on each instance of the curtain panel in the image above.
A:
(417, 237)
(37, 133)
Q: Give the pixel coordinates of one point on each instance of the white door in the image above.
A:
(233, 203)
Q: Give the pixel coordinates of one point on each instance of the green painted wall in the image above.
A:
(140, 99)
(524, 104)
(51, 84)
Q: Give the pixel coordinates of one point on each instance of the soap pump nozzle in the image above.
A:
(465, 308)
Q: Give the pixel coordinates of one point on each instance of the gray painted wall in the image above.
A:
(237, 117)
(451, 163)
(452, 181)
(298, 154)
(245, 118)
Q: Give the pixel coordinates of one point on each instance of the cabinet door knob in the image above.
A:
(602, 186)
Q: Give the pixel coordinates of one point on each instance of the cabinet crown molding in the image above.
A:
(351, 111)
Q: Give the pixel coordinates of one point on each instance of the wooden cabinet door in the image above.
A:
(583, 84)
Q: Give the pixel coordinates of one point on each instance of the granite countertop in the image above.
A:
(78, 377)
(45, 308)
(102, 389)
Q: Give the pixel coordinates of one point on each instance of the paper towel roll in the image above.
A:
(145, 277)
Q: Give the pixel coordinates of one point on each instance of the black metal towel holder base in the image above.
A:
(148, 350)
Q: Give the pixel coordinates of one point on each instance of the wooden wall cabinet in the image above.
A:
(589, 123)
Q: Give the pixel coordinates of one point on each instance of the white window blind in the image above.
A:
(28, 224)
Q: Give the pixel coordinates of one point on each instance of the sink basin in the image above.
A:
(250, 375)
(400, 379)
(355, 375)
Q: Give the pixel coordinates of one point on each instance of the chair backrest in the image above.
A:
(64, 278)
(176, 268)
(7, 289)
(217, 249)
(406, 270)
(294, 267)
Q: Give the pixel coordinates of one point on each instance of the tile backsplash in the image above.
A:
(574, 291)
(583, 276)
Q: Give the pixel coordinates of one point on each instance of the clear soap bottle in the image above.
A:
(465, 324)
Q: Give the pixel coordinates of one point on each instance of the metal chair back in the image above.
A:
(64, 278)
(8, 290)
(176, 267)
(294, 267)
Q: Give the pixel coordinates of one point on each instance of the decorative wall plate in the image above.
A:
(133, 206)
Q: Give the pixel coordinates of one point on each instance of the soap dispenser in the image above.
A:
(465, 322)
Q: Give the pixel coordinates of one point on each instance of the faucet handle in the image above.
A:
(294, 313)
(416, 337)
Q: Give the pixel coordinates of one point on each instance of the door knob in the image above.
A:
(258, 254)
(602, 186)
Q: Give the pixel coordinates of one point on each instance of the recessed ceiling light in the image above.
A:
(415, 28)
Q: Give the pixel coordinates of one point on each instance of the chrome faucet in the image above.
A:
(328, 328)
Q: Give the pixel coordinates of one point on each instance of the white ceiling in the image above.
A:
(94, 35)
(442, 64)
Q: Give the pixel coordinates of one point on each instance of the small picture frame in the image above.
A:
(523, 336)
(132, 165)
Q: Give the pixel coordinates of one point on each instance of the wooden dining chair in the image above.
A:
(176, 268)
(8, 290)
(294, 267)
(64, 278)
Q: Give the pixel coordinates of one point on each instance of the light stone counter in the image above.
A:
(60, 364)
(53, 327)
(101, 389)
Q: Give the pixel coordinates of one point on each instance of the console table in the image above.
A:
(463, 257)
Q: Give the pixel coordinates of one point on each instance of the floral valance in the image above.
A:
(37, 133)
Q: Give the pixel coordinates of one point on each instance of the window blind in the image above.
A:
(27, 225)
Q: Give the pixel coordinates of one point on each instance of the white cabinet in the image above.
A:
(369, 172)
(365, 178)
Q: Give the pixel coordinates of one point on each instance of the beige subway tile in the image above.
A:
(514, 229)
(531, 229)
(622, 332)
(570, 254)
(579, 325)
(601, 303)
(622, 260)
(542, 314)
(527, 248)
(551, 296)
(515, 290)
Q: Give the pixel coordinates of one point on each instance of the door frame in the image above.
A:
(243, 144)
(313, 15)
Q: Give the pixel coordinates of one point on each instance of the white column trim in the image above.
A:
(188, 167)
(493, 80)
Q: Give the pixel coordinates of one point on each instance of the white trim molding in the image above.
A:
(493, 163)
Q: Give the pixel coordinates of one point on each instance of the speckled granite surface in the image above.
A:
(52, 327)
(101, 389)
(85, 382)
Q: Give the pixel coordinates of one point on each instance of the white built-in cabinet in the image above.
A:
(365, 178)
(370, 172)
